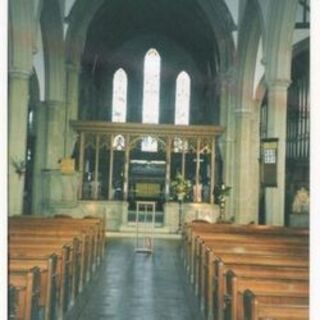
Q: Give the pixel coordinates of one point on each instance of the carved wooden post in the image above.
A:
(168, 166)
(96, 170)
(126, 168)
(183, 165)
(197, 169)
(81, 164)
(110, 195)
(213, 163)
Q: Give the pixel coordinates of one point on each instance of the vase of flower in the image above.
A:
(180, 188)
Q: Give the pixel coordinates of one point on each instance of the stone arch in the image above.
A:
(215, 11)
(53, 46)
(222, 24)
(282, 16)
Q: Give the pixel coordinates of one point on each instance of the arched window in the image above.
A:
(182, 99)
(151, 87)
(119, 96)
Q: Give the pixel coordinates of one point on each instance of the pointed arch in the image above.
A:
(119, 96)
(151, 87)
(182, 104)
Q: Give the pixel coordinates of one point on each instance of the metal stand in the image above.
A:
(145, 223)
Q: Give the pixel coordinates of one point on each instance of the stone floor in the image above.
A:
(139, 286)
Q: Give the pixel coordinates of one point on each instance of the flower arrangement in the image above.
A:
(180, 187)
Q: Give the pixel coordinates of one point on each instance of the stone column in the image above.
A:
(227, 140)
(242, 188)
(18, 97)
(73, 72)
(277, 119)
(55, 133)
(40, 157)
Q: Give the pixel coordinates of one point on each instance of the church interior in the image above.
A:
(158, 159)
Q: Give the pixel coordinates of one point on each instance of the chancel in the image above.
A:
(113, 104)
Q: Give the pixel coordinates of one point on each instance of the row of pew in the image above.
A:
(51, 260)
(248, 272)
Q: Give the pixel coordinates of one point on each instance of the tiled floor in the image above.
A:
(139, 286)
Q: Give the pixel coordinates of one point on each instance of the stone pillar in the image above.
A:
(242, 188)
(71, 105)
(277, 119)
(227, 141)
(17, 115)
(39, 159)
(55, 133)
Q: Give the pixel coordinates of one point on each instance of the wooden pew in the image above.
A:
(48, 299)
(237, 284)
(45, 241)
(213, 286)
(27, 284)
(34, 237)
(12, 302)
(266, 247)
(293, 305)
(64, 267)
(237, 238)
(95, 226)
(64, 226)
(68, 235)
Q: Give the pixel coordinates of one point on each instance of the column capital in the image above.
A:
(54, 104)
(279, 83)
(19, 73)
(242, 111)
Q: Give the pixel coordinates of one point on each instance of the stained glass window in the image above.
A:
(119, 96)
(182, 98)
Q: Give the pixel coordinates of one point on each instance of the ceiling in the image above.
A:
(181, 21)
